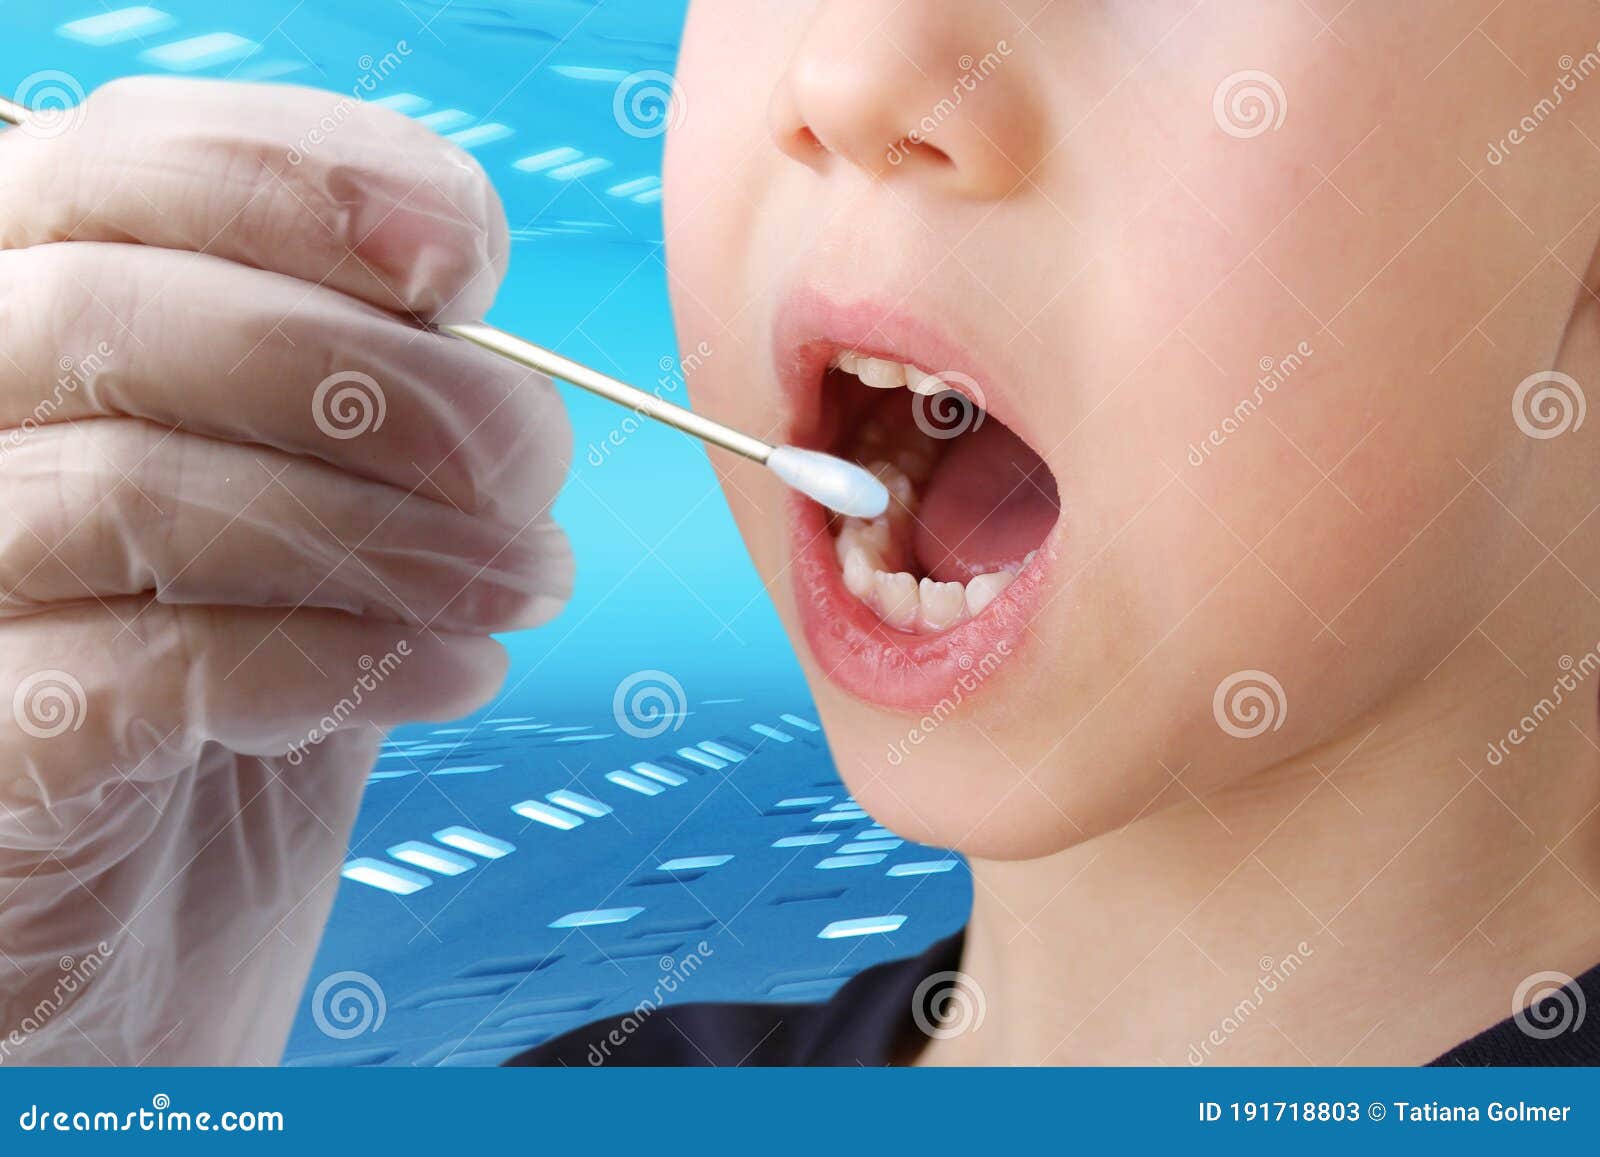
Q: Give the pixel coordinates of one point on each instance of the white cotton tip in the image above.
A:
(837, 484)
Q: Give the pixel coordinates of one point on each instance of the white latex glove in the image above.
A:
(204, 551)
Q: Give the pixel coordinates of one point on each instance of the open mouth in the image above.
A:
(902, 608)
(971, 502)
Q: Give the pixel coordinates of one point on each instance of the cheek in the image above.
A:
(1271, 391)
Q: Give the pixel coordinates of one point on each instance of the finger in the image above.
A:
(117, 507)
(236, 353)
(92, 708)
(382, 209)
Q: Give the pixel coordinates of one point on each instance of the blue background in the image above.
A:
(467, 970)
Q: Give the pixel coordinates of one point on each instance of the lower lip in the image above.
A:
(889, 668)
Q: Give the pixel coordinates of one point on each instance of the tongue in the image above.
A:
(990, 501)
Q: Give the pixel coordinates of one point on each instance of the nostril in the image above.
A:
(910, 148)
(800, 143)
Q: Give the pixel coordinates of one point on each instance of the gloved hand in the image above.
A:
(245, 494)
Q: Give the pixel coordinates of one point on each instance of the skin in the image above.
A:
(1380, 535)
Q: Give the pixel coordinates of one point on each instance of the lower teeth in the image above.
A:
(875, 554)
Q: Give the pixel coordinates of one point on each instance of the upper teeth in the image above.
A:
(882, 374)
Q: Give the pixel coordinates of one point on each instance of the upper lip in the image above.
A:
(811, 327)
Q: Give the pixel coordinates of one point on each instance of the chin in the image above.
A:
(956, 792)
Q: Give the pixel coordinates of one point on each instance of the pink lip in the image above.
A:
(811, 328)
(858, 652)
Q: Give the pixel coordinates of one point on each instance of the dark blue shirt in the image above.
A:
(871, 1021)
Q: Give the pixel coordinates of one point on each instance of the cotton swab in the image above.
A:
(839, 485)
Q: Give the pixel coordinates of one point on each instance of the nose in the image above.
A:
(925, 91)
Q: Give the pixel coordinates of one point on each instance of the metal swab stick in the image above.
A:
(837, 484)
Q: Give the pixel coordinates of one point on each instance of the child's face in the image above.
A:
(1248, 298)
